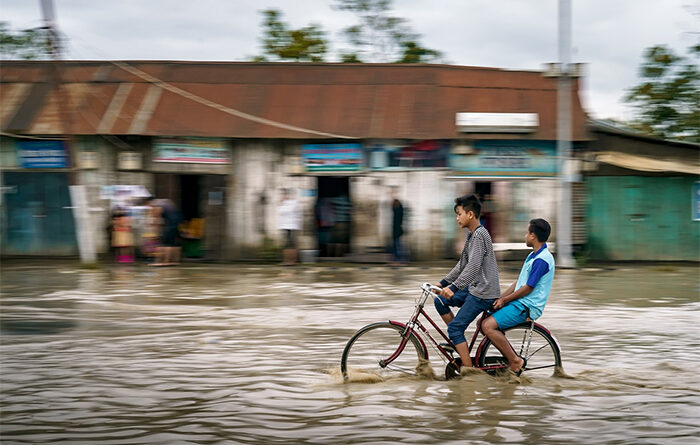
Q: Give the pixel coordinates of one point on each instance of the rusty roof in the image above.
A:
(363, 101)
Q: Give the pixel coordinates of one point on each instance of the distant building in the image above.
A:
(643, 196)
(222, 139)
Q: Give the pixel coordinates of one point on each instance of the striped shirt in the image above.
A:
(476, 268)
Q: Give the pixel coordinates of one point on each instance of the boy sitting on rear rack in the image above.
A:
(526, 297)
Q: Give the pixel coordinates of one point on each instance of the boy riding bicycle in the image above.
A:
(472, 284)
(526, 297)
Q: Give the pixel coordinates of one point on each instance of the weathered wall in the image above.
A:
(642, 218)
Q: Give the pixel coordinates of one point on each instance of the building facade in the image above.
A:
(222, 140)
(643, 196)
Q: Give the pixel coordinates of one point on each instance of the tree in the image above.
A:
(668, 99)
(33, 43)
(380, 37)
(413, 53)
(306, 44)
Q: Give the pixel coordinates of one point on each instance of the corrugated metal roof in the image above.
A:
(611, 127)
(356, 100)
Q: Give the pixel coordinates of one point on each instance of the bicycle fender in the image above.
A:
(420, 339)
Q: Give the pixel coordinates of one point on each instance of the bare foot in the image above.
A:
(517, 366)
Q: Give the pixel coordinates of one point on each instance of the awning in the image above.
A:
(647, 164)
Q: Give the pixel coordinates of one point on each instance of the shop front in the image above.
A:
(333, 165)
(513, 178)
(192, 174)
(37, 213)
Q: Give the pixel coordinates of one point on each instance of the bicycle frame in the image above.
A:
(415, 326)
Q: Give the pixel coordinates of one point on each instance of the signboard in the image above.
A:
(42, 154)
(497, 122)
(423, 154)
(332, 157)
(696, 201)
(121, 195)
(129, 160)
(88, 159)
(191, 150)
(507, 159)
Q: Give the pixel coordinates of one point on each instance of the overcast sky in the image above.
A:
(608, 35)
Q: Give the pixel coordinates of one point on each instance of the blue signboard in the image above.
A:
(507, 159)
(332, 157)
(696, 201)
(42, 154)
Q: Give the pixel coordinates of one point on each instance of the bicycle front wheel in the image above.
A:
(365, 355)
(541, 351)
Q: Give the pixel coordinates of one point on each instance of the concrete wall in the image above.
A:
(105, 174)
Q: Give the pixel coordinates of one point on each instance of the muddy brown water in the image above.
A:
(211, 354)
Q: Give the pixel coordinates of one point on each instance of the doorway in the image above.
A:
(333, 216)
(201, 201)
(484, 190)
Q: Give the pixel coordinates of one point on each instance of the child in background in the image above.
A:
(122, 238)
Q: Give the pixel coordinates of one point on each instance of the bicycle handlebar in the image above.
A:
(427, 287)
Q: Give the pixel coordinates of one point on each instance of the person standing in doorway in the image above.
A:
(397, 217)
(340, 233)
(152, 233)
(168, 254)
(290, 224)
(122, 237)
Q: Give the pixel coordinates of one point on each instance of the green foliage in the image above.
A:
(350, 58)
(306, 44)
(380, 37)
(31, 43)
(668, 99)
(413, 53)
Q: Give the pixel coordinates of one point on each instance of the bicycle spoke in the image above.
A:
(544, 356)
(539, 349)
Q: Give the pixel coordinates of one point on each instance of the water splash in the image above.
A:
(424, 370)
(355, 375)
(467, 371)
(560, 374)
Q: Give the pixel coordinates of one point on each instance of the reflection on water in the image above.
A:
(250, 354)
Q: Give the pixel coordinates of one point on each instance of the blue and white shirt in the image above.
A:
(538, 273)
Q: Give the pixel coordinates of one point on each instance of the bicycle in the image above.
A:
(378, 348)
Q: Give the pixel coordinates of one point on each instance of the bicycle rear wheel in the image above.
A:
(365, 353)
(541, 351)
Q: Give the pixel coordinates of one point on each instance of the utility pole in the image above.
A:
(55, 52)
(564, 136)
(84, 229)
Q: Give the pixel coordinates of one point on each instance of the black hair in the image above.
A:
(540, 228)
(469, 202)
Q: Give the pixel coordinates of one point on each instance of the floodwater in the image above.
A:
(208, 354)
